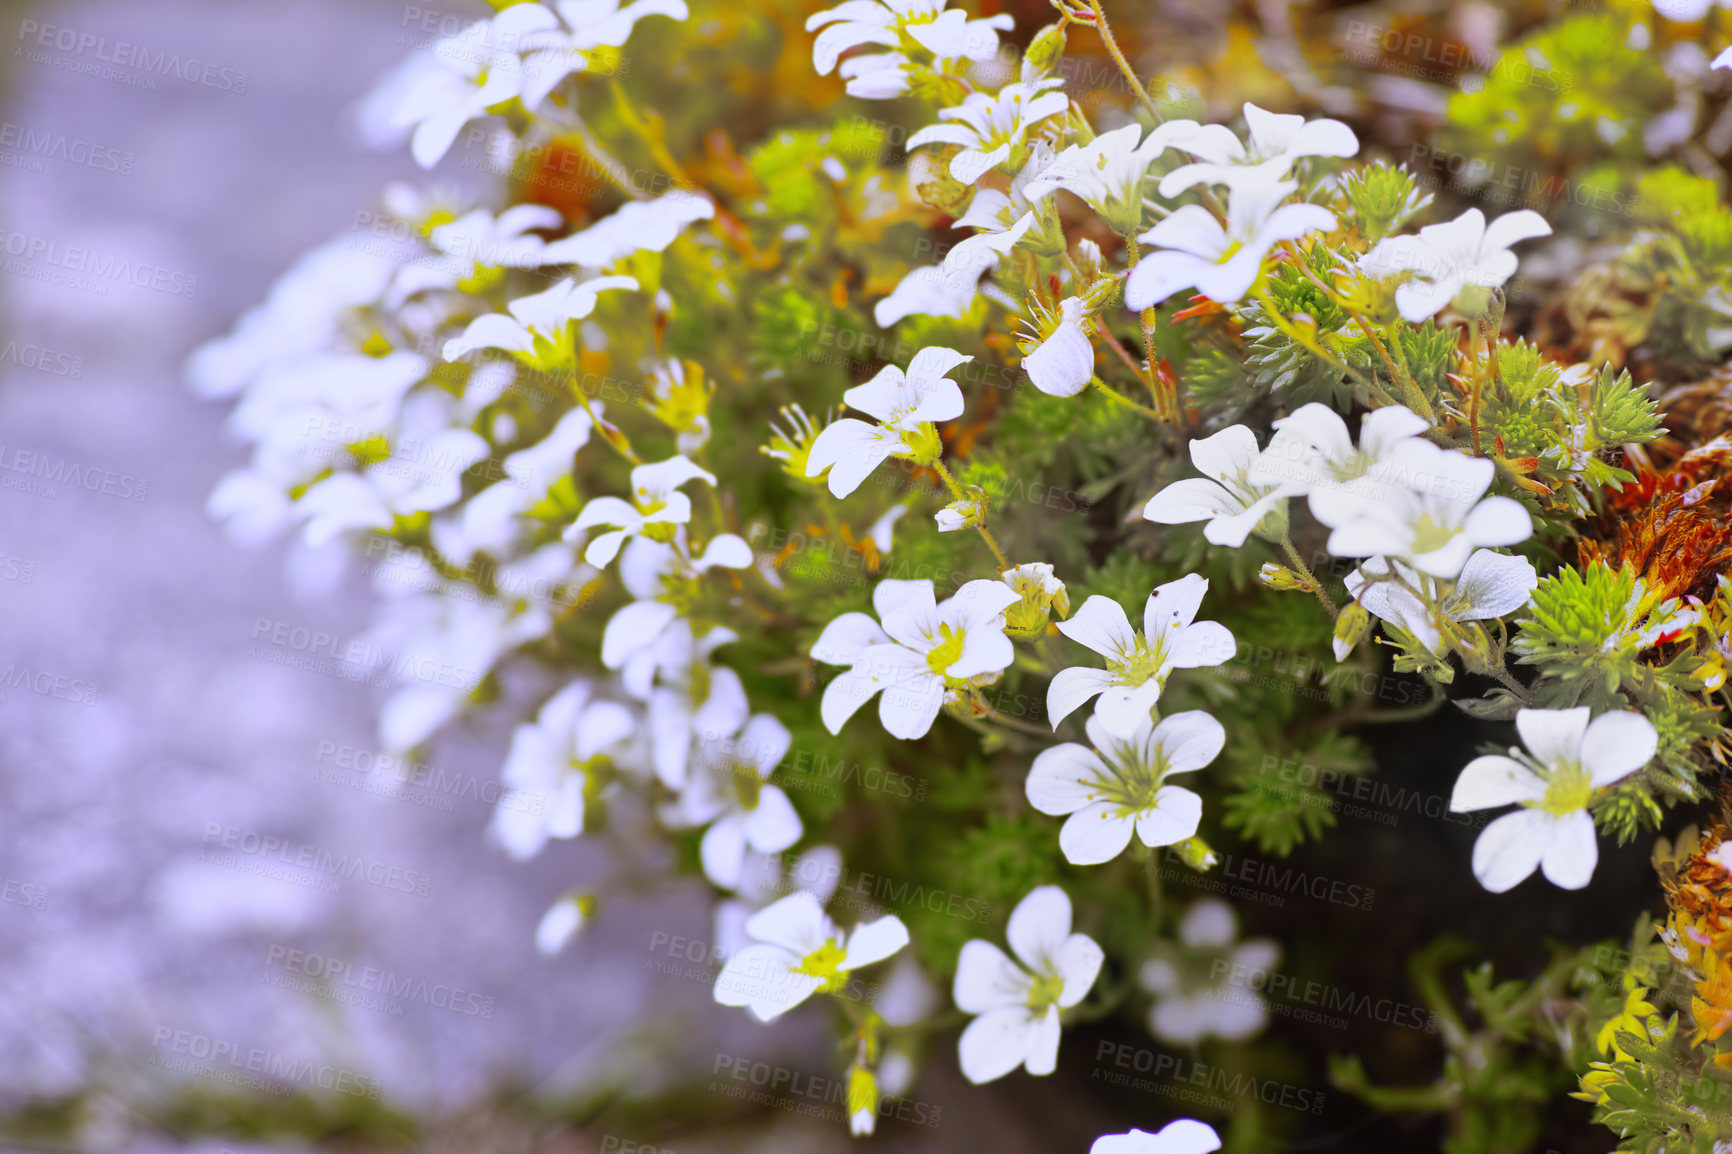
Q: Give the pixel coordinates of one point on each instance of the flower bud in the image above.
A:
(1280, 577)
(862, 1101)
(1351, 628)
(1041, 593)
(1046, 49)
(1195, 852)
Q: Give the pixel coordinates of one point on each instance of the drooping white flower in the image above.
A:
(1312, 451)
(1018, 1002)
(1063, 363)
(1567, 759)
(1138, 664)
(1186, 1136)
(1108, 173)
(434, 94)
(536, 323)
(656, 508)
(948, 35)
(1226, 496)
(1458, 262)
(636, 226)
(924, 651)
(1197, 981)
(1422, 505)
(1275, 142)
(1121, 787)
(905, 404)
(546, 772)
(727, 788)
(965, 513)
(1490, 585)
(562, 921)
(552, 54)
(991, 129)
(798, 952)
(1194, 251)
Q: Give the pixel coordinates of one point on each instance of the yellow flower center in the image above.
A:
(824, 964)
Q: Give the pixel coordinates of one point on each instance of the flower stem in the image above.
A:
(1311, 581)
(1120, 398)
(1293, 333)
(1112, 47)
(985, 533)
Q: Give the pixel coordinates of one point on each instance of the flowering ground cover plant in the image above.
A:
(890, 356)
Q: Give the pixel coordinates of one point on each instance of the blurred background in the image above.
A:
(171, 968)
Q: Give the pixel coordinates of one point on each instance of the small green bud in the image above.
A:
(1280, 577)
(1196, 853)
(1046, 49)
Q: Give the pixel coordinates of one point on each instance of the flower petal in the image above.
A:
(874, 941)
(1573, 852)
(1175, 816)
(1553, 736)
(1062, 778)
(1097, 833)
(1071, 689)
(1616, 745)
(1489, 782)
(996, 1043)
(1039, 926)
(1510, 848)
(986, 979)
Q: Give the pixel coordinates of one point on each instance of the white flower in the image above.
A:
(932, 290)
(1120, 787)
(1107, 173)
(1197, 984)
(924, 650)
(685, 693)
(1194, 251)
(546, 772)
(1568, 758)
(1276, 142)
(1018, 1005)
(422, 473)
(494, 519)
(1137, 663)
(948, 35)
(1313, 453)
(1186, 1136)
(659, 506)
(798, 952)
(1422, 507)
(552, 54)
(1724, 60)
(1490, 585)
(728, 790)
(436, 93)
(1458, 263)
(1063, 363)
(637, 226)
(1000, 220)
(1225, 496)
(563, 919)
(472, 242)
(905, 404)
(992, 129)
(537, 323)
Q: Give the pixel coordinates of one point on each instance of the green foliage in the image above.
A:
(1383, 198)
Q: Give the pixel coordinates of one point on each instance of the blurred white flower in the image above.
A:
(1458, 262)
(656, 508)
(992, 129)
(1186, 1136)
(727, 788)
(546, 772)
(1275, 142)
(1199, 983)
